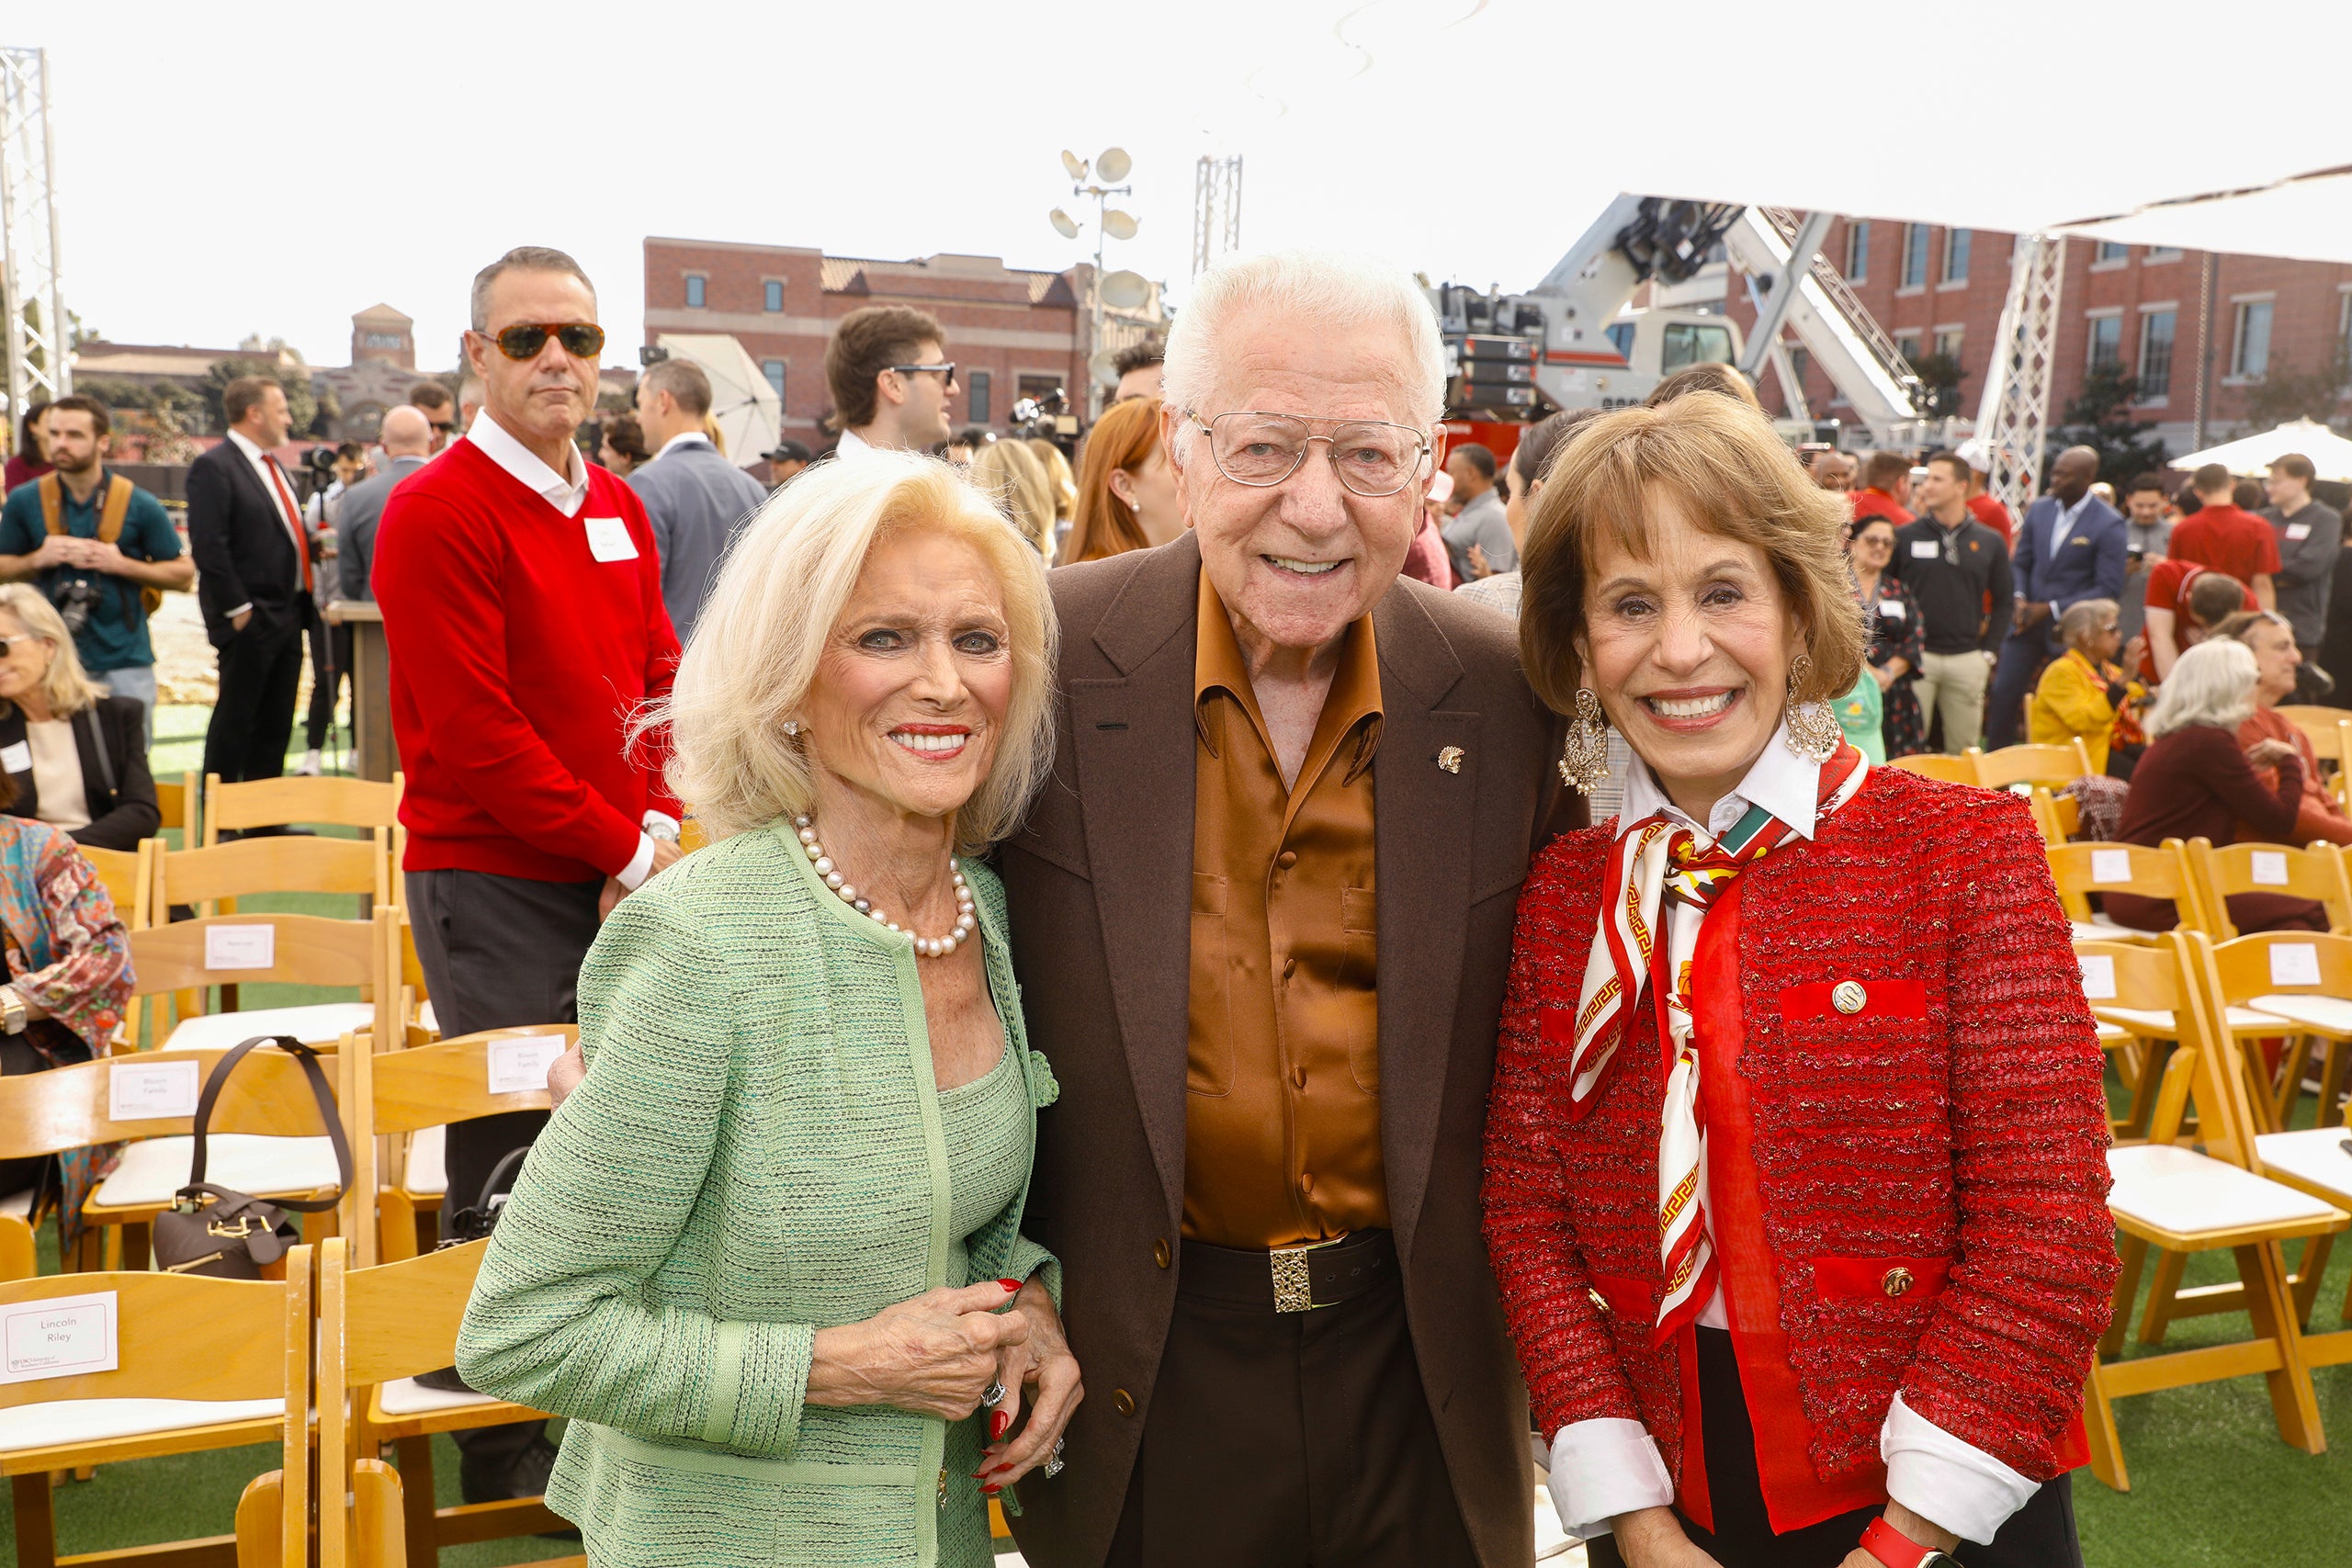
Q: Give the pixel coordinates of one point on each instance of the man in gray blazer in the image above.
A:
(692, 494)
(407, 440)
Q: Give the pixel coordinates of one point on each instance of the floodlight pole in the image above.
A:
(1102, 194)
(39, 368)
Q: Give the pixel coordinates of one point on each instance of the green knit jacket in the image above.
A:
(756, 1154)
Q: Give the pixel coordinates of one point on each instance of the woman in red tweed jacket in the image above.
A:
(1795, 1169)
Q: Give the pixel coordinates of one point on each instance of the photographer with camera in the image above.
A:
(96, 546)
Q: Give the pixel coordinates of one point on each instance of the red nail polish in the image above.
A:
(1010, 1284)
(997, 1423)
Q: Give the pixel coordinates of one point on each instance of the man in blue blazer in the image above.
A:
(2070, 548)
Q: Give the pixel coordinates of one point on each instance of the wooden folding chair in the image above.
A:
(396, 1096)
(2177, 1201)
(2059, 816)
(129, 878)
(2300, 984)
(377, 1329)
(2081, 870)
(2330, 732)
(273, 803)
(2050, 767)
(301, 953)
(176, 801)
(200, 1364)
(2315, 873)
(2149, 979)
(1939, 765)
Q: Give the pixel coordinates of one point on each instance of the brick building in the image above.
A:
(2149, 311)
(1013, 333)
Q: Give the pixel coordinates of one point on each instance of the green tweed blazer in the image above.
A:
(756, 1154)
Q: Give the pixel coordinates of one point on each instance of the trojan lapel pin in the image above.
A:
(1450, 759)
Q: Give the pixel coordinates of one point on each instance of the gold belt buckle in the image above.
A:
(1294, 1288)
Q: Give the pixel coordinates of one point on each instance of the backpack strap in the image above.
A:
(118, 493)
(53, 502)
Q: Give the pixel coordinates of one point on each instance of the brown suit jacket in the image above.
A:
(1099, 881)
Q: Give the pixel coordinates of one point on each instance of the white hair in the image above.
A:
(756, 645)
(2212, 683)
(1312, 288)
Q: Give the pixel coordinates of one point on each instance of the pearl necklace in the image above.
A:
(966, 922)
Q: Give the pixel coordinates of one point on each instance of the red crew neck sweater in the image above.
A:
(517, 659)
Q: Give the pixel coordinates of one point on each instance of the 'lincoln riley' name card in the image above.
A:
(64, 1336)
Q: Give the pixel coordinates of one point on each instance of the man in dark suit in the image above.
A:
(1263, 914)
(2071, 547)
(252, 566)
(407, 440)
(694, 497)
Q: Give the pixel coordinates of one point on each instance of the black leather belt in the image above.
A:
(1289, 1278)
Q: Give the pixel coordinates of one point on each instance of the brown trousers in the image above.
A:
(1285, 1440)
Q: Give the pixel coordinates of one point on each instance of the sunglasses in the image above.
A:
(947, 369)
(582, 339)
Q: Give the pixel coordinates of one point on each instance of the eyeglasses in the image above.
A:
(582, 339)
(444, 427)
(1372, 458)
(946, 369)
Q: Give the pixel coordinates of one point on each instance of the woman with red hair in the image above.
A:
(1126, 491)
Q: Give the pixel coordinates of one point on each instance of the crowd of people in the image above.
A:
(995, 1103)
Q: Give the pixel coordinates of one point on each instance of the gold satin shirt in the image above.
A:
(1282, 1113)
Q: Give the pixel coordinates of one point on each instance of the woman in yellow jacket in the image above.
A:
(2084, 693)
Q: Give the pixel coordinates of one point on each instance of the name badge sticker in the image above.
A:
(609, 539)
(2098, 976)
(64, 1336)
(520, 1066)
(2294, 963)
(1891, 608)
(17, 759)
(240, 947)
(2297, 532)
(151, 1092)
(1924, 549)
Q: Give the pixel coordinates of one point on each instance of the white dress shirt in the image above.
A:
(566, 493)
(274, 485)
(850, 447)
(1609, 1465)
(2064, 523)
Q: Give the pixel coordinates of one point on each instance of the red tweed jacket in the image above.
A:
(1960, 1118)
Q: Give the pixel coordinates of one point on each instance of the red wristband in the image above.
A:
(1895, 1548)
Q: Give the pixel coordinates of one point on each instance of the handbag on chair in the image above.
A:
(472, 1225)
(226, 1234)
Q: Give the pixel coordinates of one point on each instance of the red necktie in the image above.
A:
(293, 518)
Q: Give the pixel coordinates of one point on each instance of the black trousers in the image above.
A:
(498, 952)
(330, 667)
(1281, 1440)
(253, 717)
(2039, 1535)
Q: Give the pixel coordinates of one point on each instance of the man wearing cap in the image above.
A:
(786, 458)
(1982, 504)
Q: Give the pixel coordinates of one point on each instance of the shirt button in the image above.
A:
(1160, 1253)
(1306, 1182)
(1287, 859)
(1298, 1077)
(1290, 967)
(1123, 1401)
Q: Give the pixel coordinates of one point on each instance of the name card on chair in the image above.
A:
(520, 1066)
(2294, 963)
(2270, 868)
(240, 947)
(2099, 975)
(64, 1336)
(149, 1091)
(2111, 866)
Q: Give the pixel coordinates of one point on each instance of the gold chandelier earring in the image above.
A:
(1584, 760)
(1814, 730)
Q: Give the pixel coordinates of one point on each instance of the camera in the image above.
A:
(1048, 417)
(74, 600)
(320, 460)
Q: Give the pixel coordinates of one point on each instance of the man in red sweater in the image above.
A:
(2225, 538)
(522, 598)
(1886, 489)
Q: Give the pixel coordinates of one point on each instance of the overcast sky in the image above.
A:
(399, 147)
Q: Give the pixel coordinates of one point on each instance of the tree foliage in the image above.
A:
(2316, 394)
(302, 401)
(2100, 418)
(1939, 378)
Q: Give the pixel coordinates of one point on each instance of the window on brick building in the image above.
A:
(1801, 368)
(695, 286)
(1957, 244)
(2106, 343)
(2156, 330)
(1858, 252)
(1915, 255)
(775, 300)
(2163, 254)
(977, 381)
(1907, 346)
(2109, 253)
(1948, 343)
(2251, 357)
(773, 370)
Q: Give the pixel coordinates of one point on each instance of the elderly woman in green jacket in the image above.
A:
(767, 1255)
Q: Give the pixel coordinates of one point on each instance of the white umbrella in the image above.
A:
(749, 413)
(2331, 454)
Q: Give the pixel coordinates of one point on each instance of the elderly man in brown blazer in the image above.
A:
(1262, 916)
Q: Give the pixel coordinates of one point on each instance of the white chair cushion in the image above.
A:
(154, 1169)
(2161, 1023)
(2330, 1015)
(425, 1018)
(2113, 1033)
(410, 1397)
(320, 1025)
(94, 1420)
(2105, 928)
(17, 1205)
(2314, 1155)
(428, 1169)
(2180, 1189)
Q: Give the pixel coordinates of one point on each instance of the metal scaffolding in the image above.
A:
(2013, 420)
(38, 346)
(1216, 210)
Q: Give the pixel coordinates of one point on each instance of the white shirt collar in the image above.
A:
(1787, 786)
(852, 444)
(566, 493)
(248, 445)
(684, 438)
